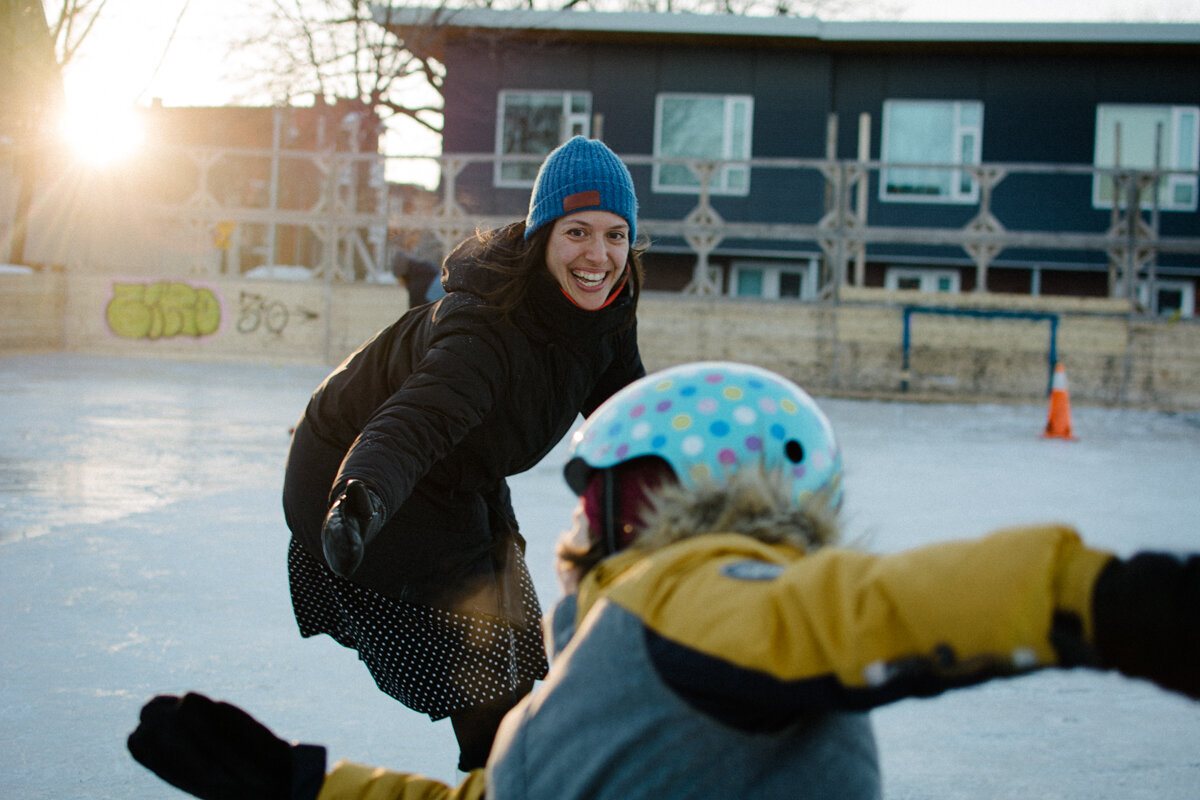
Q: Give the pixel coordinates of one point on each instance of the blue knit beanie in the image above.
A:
(581, 174)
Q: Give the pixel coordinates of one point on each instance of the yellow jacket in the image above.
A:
(759, 640)
(350, 781)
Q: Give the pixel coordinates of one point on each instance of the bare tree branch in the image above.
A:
(336, 49)
(347, 49)
(71, 26)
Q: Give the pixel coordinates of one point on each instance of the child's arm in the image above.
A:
(842, 629)
(349, 781)
(216, 751)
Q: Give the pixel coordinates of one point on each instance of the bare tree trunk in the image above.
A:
(26, 169)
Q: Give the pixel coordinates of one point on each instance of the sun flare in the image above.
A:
(102, 136)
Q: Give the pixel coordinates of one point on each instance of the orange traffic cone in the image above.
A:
(1058, 426)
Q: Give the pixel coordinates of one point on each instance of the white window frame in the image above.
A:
(736, 136)
(1181, 150)
(964, 143)
(1187, 295)
(929, 280)
(572, 121)
(771, 273)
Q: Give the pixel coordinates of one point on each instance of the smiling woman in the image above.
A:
(586, 253)
(100, 135)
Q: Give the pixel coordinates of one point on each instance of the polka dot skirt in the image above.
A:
(434, 661)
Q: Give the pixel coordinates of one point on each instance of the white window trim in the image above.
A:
(1186, 288)
(956, 196)
(719, 185)
(928, 278)
(1171, 158)
(570, 125)
(771, 273)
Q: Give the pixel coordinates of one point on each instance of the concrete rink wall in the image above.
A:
(142, 550)
(874, 343)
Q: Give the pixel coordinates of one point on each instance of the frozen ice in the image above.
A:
(143, 550)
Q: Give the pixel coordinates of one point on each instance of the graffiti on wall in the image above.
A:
(162, 310)
(172, 309)
(262, 313)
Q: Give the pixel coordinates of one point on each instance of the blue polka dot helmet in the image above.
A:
(707, 420)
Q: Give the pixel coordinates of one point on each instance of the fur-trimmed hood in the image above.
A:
(753, 503)
(754, 514)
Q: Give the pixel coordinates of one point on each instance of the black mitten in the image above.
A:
(352, 522)
(216, 751)
(1147, 619)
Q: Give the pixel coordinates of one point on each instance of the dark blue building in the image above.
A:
(940, 156)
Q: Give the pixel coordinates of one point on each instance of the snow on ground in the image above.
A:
(142, 550)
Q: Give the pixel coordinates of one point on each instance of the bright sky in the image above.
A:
(131, 56)
(1052, 10)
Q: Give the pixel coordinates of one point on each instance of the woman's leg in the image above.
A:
(475, 728)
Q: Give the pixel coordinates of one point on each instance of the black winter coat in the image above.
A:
(436, 411)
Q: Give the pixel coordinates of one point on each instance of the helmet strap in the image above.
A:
(608, 511)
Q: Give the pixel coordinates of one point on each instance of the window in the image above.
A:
(1137, 137)
(754, 279)
(922, 280)
(929, 132)
(703, 126)
(533, 124)
(1171, 297)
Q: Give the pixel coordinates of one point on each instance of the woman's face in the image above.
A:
(586, 254)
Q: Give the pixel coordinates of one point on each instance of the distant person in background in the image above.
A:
(404, 544)
(422, 278)
(716, 641)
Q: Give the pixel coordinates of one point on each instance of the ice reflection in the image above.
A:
(81, 450)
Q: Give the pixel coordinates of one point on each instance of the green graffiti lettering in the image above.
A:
(162, 310)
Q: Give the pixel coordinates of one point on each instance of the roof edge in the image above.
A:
(733, 25)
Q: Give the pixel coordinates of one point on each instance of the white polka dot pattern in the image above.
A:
(434, 661)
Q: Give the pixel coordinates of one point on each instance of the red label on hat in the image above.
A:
(580, 200)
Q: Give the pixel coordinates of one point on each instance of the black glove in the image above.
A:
(352, 522)
(1147, 619)
(216, 751)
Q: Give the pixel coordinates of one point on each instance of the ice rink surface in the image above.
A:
(142, 550)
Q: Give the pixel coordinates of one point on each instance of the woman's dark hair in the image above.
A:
(506, 252)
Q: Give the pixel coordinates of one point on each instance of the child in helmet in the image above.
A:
(716, 641)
